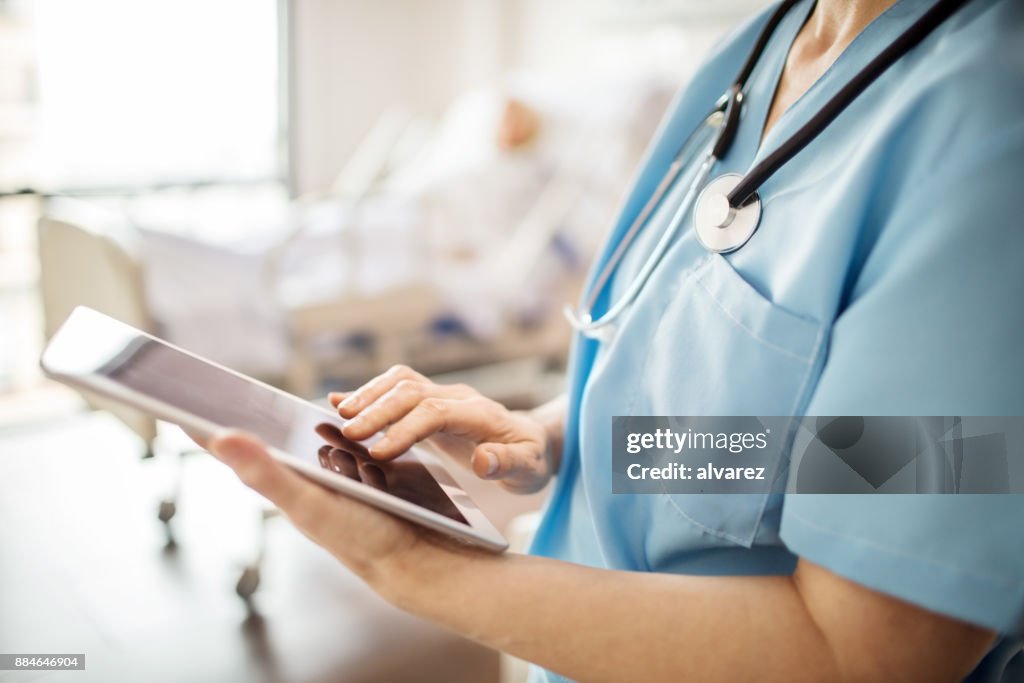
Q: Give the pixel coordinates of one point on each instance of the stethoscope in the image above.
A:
(728, 209)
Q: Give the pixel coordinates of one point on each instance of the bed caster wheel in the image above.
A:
(165, 514)
(248, 582)
(166, 511)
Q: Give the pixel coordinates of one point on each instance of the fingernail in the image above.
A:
(348, 402)
(492, 463)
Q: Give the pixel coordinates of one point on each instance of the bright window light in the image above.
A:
(137, 92)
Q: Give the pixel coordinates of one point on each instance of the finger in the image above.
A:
(373, 475)
(396, 404)
(343, 462)
(336, 397)
(322, 457)
(522, 465)
(375, 388)
(308, 505)
(332, 435)
(200, 440)
(471, 418)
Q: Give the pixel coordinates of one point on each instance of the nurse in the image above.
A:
(884, 277)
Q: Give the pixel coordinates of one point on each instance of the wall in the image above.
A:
(353, 58)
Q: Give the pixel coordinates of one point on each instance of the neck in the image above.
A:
(835, 23)
(831, 27)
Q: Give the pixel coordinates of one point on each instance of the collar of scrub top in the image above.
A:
(728, 209)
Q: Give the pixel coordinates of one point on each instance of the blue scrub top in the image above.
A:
(886, 278)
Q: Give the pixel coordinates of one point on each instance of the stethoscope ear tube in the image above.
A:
(731, 124)
(909, 39)
(732, 102)
(727, 216)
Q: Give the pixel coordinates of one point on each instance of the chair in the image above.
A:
(88, 256)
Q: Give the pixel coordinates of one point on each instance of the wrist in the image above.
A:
(412, 577)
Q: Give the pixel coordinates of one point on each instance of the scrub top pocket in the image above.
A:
(748, 356)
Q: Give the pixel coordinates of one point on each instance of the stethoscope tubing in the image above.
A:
(903, 44)
(587, 326)
(729, 108)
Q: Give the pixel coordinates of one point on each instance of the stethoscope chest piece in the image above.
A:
(720, 227)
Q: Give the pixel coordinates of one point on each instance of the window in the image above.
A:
(130, 93)
(120, 96)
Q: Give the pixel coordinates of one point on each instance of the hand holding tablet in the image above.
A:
(257, 429)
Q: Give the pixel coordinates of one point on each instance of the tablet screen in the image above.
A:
(152, 368)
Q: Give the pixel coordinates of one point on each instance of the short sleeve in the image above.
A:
(934, 325)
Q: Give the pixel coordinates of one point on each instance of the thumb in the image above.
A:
(258, 470)
(520, 464)
(236, 449)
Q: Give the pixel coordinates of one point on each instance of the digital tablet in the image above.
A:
(97, 353)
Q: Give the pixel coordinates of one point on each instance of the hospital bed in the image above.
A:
(94, 257)
(236, 302)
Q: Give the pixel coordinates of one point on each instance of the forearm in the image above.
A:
(598, 625)
(602, 625)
